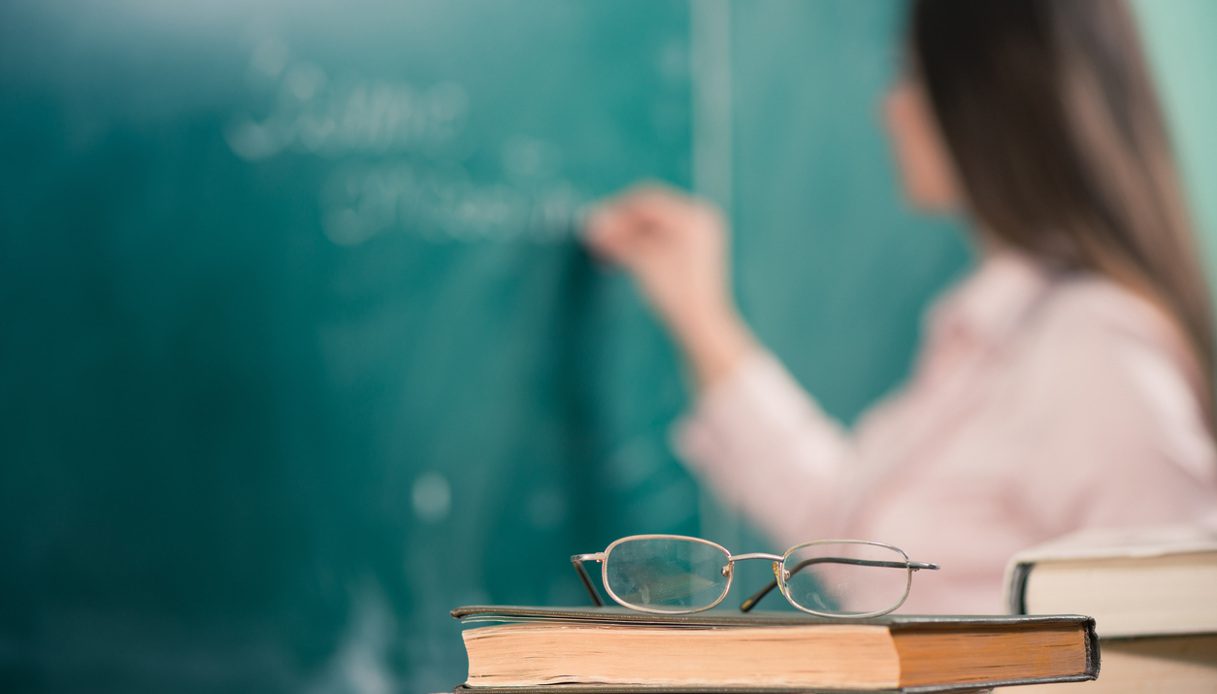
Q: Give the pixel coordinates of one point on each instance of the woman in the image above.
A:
(1066, 383)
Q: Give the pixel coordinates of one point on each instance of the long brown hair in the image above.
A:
(1050, 115)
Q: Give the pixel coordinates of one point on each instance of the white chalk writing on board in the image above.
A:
(399, 150)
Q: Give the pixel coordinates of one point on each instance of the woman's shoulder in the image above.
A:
(1105, 391)
(1101, 353)
(1097, 317)
(1096, 344)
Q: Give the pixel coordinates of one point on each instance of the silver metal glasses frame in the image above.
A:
(781, 573)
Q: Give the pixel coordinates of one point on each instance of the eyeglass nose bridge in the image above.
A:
(732, 558)
(779, 575)
(755, 555)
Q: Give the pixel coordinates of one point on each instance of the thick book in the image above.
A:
(1142, 582)
(536, 649)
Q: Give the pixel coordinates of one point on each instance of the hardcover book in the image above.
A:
(536, 649)
(1139, 582)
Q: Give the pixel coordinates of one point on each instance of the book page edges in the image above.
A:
(846, 656)
(1080, 641)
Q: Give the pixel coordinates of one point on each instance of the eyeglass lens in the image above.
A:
(846, 578)
(667, 574)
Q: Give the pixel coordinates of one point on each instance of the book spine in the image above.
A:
(1016, 592)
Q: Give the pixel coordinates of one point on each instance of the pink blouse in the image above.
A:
(1040, 405)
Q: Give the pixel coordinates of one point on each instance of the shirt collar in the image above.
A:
(989, 304)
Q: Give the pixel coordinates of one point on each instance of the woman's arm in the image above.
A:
(754, 434)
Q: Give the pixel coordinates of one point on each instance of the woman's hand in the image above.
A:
(676, 249)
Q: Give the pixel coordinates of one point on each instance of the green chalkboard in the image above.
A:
(834, 268)
(299, 346)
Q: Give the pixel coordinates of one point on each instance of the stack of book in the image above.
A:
(532, 649)
(1152, 592)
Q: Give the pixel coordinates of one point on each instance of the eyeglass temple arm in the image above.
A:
(577, 562)
(756, 597)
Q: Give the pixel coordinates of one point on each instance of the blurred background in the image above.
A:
(300, 349)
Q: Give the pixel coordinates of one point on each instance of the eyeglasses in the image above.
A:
(675, 574)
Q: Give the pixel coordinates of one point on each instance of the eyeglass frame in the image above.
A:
(779, 581)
